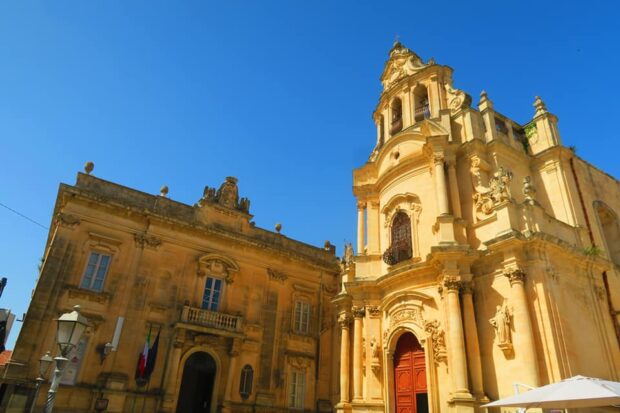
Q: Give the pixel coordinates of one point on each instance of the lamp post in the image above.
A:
(44, 365)
(71, 326)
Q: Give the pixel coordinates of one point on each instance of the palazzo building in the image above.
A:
(487, 254)
(241, 315)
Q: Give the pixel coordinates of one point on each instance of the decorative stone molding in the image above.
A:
(404, 315)
(373, 311)
(358, 312)
(227, 196)
(235, 347)
(528, 190)
(487, 198)
(76, 293)
(375, 356)
(457, 99)
(361, 204)
(402, 63)
(300, 362)
(452, 284)
(344, 320)
(438, 340)
(68, 220)
(467, 287)
(501, 322)
(218, 266)
(515, 276)
(276, 275)
(143, 240)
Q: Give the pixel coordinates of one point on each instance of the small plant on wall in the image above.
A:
(592, 251)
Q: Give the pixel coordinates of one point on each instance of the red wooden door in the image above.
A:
(410, 376)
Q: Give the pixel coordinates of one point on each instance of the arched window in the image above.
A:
(400, 248)
(397, 116)
(245, 384)
(422, 108)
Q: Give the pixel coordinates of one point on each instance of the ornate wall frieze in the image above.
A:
(276, 275)
(358, 312)
(515, 275)
(146, 240)
(373, 311)
(68, 220)
(438, 340)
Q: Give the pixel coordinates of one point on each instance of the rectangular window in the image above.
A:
(95, 272)
(211, 297)
(297, 389)
(302, 317)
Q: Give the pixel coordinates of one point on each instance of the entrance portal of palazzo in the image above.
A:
(195, 395)
(410, 376)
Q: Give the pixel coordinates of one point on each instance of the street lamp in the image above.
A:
(44, 365)
(71, 326)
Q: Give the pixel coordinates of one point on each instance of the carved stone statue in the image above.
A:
(348, 254)
(228, 194)
(375, 352)
(501, 323)
(498, 191)
(528, 189)
(244, 205)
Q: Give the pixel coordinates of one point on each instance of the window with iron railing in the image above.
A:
(400, 248)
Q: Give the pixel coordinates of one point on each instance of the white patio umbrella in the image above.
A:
(575, 392)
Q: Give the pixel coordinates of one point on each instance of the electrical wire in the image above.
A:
(23, 216)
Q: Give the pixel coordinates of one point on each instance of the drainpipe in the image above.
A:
(318, 342)
(612, 312)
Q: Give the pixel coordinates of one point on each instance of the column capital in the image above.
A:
(452, 284)
(361, 204)
(515, 276)
(358, 312)
(344, 320)
(373, 310)
(467, 287)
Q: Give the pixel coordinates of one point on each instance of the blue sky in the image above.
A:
(278, 94)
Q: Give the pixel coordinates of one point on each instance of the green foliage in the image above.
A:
(530, 130)
(592, 251)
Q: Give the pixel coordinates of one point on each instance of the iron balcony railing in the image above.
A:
(214, 319)
(421, 113)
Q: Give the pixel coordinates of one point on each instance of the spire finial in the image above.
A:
(540, 106)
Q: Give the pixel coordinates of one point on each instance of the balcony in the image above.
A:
(211, 321)
(421, 113)
(396, 126)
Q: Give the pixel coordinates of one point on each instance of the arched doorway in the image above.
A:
(195, 395)
(410, 388)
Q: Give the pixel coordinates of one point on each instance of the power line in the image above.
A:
(23, 216)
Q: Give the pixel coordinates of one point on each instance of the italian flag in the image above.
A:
(143, 357)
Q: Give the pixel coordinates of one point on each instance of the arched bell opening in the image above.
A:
(396, 124)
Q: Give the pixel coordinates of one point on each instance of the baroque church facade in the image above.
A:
(487, 255)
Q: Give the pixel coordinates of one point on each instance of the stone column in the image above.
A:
(174, 361)
(358, 314)
(440, 185)
(523, 342)
(471, 340)
(456, 339)
(344, 320)
(373, 227)
(361, 206)
(454, 188)
(232, 370)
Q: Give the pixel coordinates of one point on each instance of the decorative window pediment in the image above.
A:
(218, 266)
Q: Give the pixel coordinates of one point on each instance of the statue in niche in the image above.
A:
(375, 351)
(501, 322)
